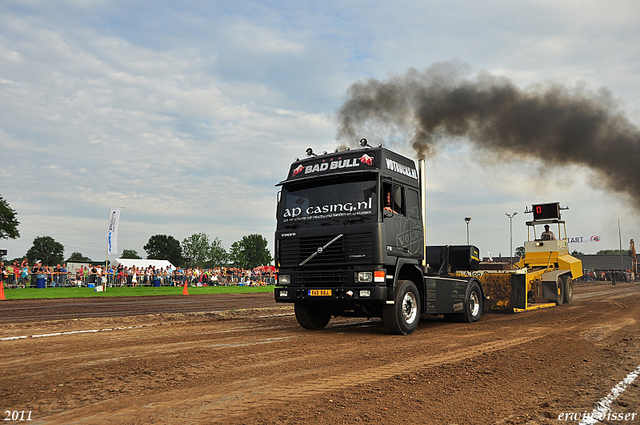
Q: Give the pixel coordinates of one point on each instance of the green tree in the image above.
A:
(519, 252)
(130, 253)
(614, 252)
(77, 256)
(203, 251)
(576, 252)
(8, 221)
(235, 255)
(250, 252)
(47, 250)
(196, 247)
(163, 247)
(217, 254)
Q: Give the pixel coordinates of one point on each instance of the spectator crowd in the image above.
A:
(608, 276)
(20, 275)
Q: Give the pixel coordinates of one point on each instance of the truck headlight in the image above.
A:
(284, 279)
(365, 277)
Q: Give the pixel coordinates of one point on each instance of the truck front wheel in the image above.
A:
(402, 317)
(311, 316)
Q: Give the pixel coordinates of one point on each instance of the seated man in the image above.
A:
(388, 203)
(548, 235)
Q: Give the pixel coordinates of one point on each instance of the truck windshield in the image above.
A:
(331, 199)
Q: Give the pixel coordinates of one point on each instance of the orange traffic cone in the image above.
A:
(2, 291)
(185, 291)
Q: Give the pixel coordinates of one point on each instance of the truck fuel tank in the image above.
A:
(458, 257)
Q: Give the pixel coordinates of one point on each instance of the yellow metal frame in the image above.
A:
(533, 307)
(548, 256)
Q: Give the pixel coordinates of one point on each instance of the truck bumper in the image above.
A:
(340, 295)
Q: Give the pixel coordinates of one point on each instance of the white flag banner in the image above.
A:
(582, 239)
(112, 232)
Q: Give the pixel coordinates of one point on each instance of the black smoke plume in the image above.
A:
(551, 122)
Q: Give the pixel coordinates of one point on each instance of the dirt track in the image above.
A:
(76, 308)
(259, 366)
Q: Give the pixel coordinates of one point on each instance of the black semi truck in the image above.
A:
(350, 241)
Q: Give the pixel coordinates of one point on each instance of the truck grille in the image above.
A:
(349, 249)
(322, 279)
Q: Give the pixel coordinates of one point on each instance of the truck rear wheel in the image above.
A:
(473, 305)
(567, 281)
(402, 317)
(311, 316)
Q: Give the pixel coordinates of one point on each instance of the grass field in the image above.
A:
(32, 293)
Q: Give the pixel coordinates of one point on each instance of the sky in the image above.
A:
(187, 114)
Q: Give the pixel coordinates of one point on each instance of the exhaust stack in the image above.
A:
(423, 207)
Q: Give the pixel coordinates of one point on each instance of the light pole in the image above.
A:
(511, 236)
(467, 220)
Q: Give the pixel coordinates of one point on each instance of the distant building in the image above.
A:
(605, 263)
(498, 263)
(500, 259)
(591, 262)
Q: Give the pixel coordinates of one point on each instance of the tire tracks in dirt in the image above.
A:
(236, 399)
(263, 362)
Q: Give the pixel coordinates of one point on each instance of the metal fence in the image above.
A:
(52, 280)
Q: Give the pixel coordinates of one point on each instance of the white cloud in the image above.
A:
(188, 114)
(257, 40)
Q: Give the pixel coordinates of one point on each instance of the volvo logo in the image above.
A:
(321, 249)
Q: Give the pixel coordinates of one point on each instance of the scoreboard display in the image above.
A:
(546, 211)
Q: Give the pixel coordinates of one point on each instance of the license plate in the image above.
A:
(319, 292)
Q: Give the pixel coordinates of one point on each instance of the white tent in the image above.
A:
(158, 264)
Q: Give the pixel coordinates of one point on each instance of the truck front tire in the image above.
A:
(311, 316)
(402, 317)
